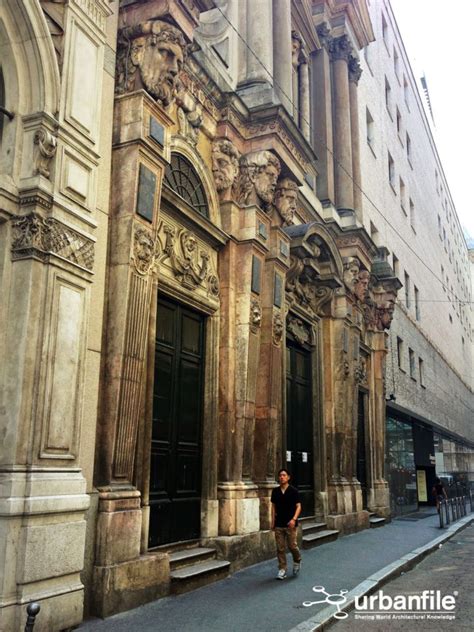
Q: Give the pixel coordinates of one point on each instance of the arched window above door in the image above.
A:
(182, 178)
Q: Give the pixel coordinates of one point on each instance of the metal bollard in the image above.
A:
(32, 609)
(440, 513)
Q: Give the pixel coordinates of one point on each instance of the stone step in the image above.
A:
(321, 537)
(197, 575)
(312, 527)
(176, 546)
(185, 557)
(376, 521)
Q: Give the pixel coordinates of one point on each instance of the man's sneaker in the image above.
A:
(296, 568)
(281, 574)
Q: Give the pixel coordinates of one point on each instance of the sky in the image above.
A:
(438, 40)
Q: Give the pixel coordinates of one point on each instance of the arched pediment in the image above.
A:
(315, 270)
(314, 240)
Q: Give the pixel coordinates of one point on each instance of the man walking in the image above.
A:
(286, 507)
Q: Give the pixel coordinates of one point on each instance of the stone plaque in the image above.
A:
(262, 230)
(146, 193)
(277, 291)
(157, 131)
(284, 249)
(256, 274)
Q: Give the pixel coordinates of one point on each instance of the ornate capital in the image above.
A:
(36, 237)
(355, 71)
(150, 56)
(324, 35)
(340, 48)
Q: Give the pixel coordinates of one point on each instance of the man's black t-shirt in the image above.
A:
(285, 505)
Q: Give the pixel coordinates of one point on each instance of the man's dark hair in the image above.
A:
(283, 469)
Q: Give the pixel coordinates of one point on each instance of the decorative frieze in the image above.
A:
(36, 237)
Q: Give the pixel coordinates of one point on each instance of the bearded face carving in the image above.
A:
(361, 287)
(259, 171)
(286, 196)
(151, 55)
(225, 168)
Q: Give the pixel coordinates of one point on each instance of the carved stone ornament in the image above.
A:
(150, 56)
(189, 115)
(46, 148)
(361, 286)
(351, 272)
(304, 287)
(285, 200)
(190, 265)
(255, 315)
(300, 330)
(355, 71)
(36, 237)
(296, 49)
(225, 168)
(360, 372)
(143, 250)
(340, 48)
(259, 171)
(324, 35)
(278, 326)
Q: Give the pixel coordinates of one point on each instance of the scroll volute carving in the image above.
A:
(150, 57)
(314, 274)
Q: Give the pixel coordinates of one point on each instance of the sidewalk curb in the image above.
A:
(325, 618)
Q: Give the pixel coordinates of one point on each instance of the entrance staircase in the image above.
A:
(376, 520)
(193, 566)
(315, 533)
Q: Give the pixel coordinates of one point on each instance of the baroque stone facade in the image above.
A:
(181, 271)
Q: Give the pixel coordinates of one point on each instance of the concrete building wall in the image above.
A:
(408, 206)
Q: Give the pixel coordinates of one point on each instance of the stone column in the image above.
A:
(241, 280)
(268, 407)
(340, 50)
(131, 299)
(304, 102)
(355, 72)
(322, 118)
(282, 51)
(259, 41)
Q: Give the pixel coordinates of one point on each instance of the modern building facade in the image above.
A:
(196, 292)
(407, 204)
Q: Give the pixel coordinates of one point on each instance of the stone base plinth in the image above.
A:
(348, 523)
(244, 550)
(239, 509)
(119, 526)
(130, 584)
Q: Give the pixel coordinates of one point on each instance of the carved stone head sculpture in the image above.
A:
(351, 272)
(361, 288)
(259, 171)
(286, 196)
(296, 47)
(150, 56)
(225, 168)
(386, 315)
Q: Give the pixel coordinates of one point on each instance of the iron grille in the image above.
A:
(181, 177)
